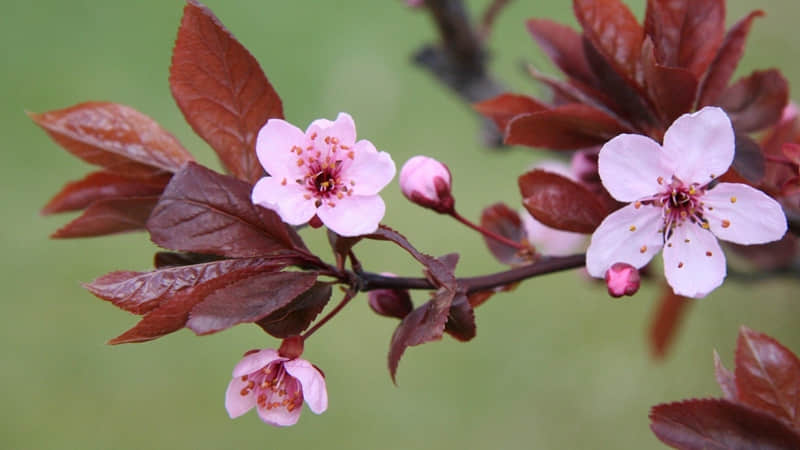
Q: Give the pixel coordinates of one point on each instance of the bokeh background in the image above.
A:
(557, 364)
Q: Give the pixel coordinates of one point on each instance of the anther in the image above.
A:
(708, 254)
(726, 223)
(313, 135)
(300, 162)
(637, 205)
(733, 199)
(632, 228)
(680, 265)
(705, 225)
(660, 180)
(643, 249)
(351, 155)
(283, 182)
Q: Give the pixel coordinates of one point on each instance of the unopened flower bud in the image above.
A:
(291, 347)
(390, 302)
(426, 182)
(622, 279)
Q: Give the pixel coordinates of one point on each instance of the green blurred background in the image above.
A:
(557, 364)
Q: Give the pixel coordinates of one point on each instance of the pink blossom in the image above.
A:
(676, 204)
(622, 279)
(276, 386)
(322, 172)
(427, 182)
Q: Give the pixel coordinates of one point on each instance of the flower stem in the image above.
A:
(490, 234)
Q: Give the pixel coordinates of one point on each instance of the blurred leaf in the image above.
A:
(768, 376)
(204, 212)
(725, 379)
(141, 292)
(116, 137)
(667, 319)
(103, 185)
(461, 320)
(439, 272)
(567, 127)
(174, 259)
(297, 315)
(221, 90)
(560, 203)
(248, 300)
(109, 216)
(716, 424)
(341, 246)
(614, 31)
(757, 101)
(504, 107)
(671, 89)
(748, 160)
(564, 47)
(502, 220)
(724, 64)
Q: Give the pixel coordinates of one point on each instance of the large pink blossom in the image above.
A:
(322, 172)
(276, 387)
(675, 203)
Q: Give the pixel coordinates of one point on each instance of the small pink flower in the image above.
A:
(622, 279)
(427, 182)
(276, 386)
(677, 205)
(322, 172)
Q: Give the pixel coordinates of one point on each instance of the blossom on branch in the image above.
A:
(675, 203)
(323, 172)
(276, 386)
(427, 182)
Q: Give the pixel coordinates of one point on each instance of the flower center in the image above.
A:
(681, 203)
(274, 387)
(324, 162)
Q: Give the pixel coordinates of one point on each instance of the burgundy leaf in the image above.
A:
(614, 31)
(560, 203)
(716, 424)
(439, 272)
(173, 259)
(103, 185)
(748, 160)
(504, 107)
(141, 292)
(248, 300)
(204, 212)
(768, 376)
(671, 89)
(666, 320)
(724, 64)
(686, 33)
(110, 216)
(116, 137)
(564, 47)
(341, 246)
(221, 90)
(725, 379)
(502, 220)
(757, 101)
(424, 324)
(567, 127)
(297, 315)
(450, 261)
(461, 319)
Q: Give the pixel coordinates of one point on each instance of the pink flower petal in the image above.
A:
(630, 167)
(274, 148)
(343, 129)
(313, 383)
(255, 361)
(693, 261)
(280, 416)
(353, 215)
(628, 235)
(700, 146)
(288, 200)
(550, 241)
(370, 170)
(738, 213)
(235, 403)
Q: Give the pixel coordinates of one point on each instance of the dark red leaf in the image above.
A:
(671, 89)
(461, 320)
(748, 160)
(614, 31)
(110, 216)
(716, 424)
(424, 324)
(204, 212)
(341, 246)
(567, 127)
(297, 316)
(116, 137)
(686, 33)
(666, 321)
(724, 64)
(141, 292)
(725, 379)
(757, 101)
(564, 47)
(560, 203)
(504, 107)
(501, 219)
(439, 272)
(768, 376)
(221, 90)
(172, 259)
(248, 300)
(103, 185)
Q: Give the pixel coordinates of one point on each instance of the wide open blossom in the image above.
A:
(322, 172)
(676, 204)
(276, 386)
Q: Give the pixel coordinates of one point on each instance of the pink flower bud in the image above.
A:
(426, 182)
(390, 302)
(622, 279)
